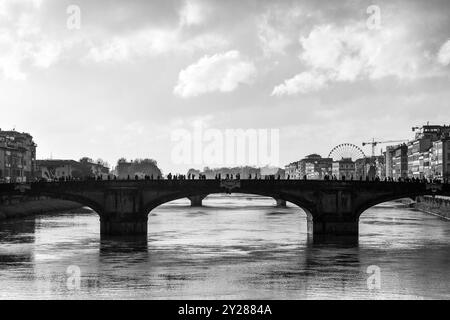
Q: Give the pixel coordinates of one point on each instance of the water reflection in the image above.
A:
(234, 248)
(15, 237)
(123, 244)
(327, 241)
(22, 230)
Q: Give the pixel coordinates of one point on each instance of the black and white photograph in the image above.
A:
(199, 151)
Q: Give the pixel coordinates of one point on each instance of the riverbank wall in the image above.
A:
(438, 205)
(22, 207)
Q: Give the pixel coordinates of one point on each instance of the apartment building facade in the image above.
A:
(17, 156)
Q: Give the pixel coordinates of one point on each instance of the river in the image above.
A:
(235, 247)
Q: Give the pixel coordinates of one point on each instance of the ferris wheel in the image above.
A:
(346, 150)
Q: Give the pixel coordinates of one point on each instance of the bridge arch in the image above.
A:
(386, 198)
(74, 198)
(154, 203)
(306, 207)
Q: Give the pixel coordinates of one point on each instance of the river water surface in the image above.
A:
(235, 247)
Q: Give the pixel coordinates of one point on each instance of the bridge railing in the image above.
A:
(12, 186)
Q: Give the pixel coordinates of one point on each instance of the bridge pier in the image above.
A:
(123, 226)
(333, 227)
(122, 213)
(196, 201)
(333, 232)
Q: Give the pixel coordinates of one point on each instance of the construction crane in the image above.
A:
(375, 143)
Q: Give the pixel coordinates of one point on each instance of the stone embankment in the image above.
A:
(22, 207)
(438, 205)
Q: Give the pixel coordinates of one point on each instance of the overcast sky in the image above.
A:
(135, 71)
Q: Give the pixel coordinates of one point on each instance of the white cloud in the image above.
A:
(140, 43)
(151, 42)
(272, 40)
(444, 54)
(354, 51)
(16, 53)
(302, 83)
(193, 13)
(46, 53)
(22, 43)
(219, 72)
(6, 6)
(351, 53)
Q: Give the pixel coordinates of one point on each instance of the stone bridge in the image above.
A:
(332, 207)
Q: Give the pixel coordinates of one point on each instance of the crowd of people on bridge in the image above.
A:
(237, 176)
(190, 176)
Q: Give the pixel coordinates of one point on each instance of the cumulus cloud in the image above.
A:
(193, 13)
(46, 53)
(351, 53)
(220, 72)
(6, 5)
(152, 42)
(136, 44)
(272, 40)
(302, 83)
(21, 42)
(444, 54)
